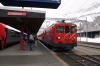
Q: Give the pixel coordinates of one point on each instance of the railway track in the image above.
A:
(95, 46)
(89, 43)
(89, 46)
(96, 56)
(75, 59)
(79, 60)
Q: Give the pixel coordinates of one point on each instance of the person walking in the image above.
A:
(31, 41)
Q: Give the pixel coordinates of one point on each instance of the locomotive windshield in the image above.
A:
(73, 29)
(60, 29)
(66, 29)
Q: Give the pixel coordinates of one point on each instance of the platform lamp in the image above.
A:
(80, 31)
(86, 27)
(86, 30)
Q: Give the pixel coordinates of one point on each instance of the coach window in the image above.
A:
(17, 34)
(60, 29)
(13, 33)
(67, 29)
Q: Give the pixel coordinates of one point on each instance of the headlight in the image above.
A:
(58, 37)
(74, 37)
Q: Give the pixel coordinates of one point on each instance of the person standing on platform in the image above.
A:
(35, 39)
(31, 41)
(26, 38)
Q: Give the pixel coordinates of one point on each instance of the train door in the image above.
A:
(67, 34)
(0, 42)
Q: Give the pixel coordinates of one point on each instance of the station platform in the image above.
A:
(40, 56)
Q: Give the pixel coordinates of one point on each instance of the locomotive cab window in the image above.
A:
(60, 29)
(66, 29)
(73, 29)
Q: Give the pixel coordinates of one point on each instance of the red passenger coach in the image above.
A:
(40, 36)
(7, 36)
(61, 35)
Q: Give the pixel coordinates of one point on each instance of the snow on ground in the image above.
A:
(95, 40)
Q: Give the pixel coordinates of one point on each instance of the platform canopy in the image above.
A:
(32, 19)
(32, 3)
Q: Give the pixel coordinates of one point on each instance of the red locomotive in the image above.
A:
(8, 36)
(60, 35)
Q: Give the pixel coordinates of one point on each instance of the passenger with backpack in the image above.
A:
(31, 41)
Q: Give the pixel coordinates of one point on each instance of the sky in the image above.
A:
(69, 9)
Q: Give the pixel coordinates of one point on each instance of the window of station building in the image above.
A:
(66, 29)
(60, 29)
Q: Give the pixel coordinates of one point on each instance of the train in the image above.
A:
(8, 36)
(60, 35)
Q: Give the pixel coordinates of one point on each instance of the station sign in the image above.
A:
(21, 35)
(32, 3)
(16, 13)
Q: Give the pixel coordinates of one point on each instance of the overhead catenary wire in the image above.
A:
(61, 7)
(82, 5)
(72, 6)
(69, 9)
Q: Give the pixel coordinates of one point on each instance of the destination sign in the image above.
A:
(17, 13)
